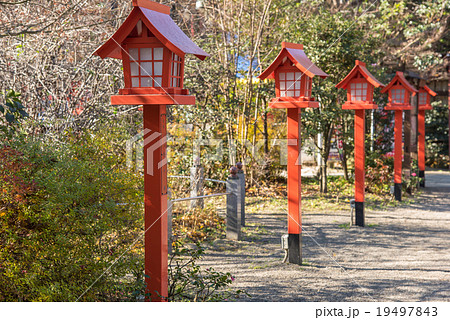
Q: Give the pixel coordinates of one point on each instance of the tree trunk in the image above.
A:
(344, 160)
(266, 136)
(323, 178)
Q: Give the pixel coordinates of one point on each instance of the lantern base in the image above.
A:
(359, 214)
(295, 248)
(292, 103)
(425, 107)
(154, 90)
(422, 178)
(359, 106)
(152, 99)
(405, 107)
(398, 191)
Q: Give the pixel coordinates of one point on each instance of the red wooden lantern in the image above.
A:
(359, 84)
(425, 94)
(293, 73)
(400, 91)
(152, 48)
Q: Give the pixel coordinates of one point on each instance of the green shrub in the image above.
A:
(379, 175)
(189, 282)
(11, 113)
(61, 227)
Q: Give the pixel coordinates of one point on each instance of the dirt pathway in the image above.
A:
(403, 255)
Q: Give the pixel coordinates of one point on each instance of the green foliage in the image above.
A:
(12, 112)
(189, 282)
(61, 225)
(411, 182)
(197, 224)
(333, 43)
(436, 136)
(379, 170)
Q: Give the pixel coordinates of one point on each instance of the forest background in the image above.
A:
(59, 133)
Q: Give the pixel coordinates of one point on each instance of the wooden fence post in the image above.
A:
(197, 182)
(169, 220)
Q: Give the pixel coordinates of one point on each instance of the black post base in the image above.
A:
(295, 248)
(398, 191)
(422, 178)
(359, 214)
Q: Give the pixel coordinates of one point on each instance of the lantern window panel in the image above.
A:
(134, 54)
(146, 54)
(307, 87)
(157, 81)
(358, 91)
(398, 96)
(134, 68)
(290, 84)
(158, 53)
(158, 68)
(422, 98)
(146, 67)
(175, 74)
(146, 82)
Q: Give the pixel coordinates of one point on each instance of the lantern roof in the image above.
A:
(156, 18)
(429, 91)
(400, 78)
(294, 52)
(359, 68)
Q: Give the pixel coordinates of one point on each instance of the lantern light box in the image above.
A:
(293, 73)
(152, 48)
(359, 84)
(425, 94)
(400, 91)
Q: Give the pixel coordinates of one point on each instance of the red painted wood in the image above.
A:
(421, 144)
(294, 171)
(152, 98)
(359, 155)
(360, 70)
(400, 81)
(160, 25)
(359, 74)
(297, 57)
(152, 6)
(155, 180)
(291, 45)
(358, 105)
(398, 148)
(277, 104)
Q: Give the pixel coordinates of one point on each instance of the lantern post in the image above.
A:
(153, 48)
(425, 94)
(400, 91)
(359, 84)
(293, 73)
(447, 68)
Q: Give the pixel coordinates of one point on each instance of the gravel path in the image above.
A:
(403, 255)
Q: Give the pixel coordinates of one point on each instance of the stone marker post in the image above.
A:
(241, 192)
(233, 219)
